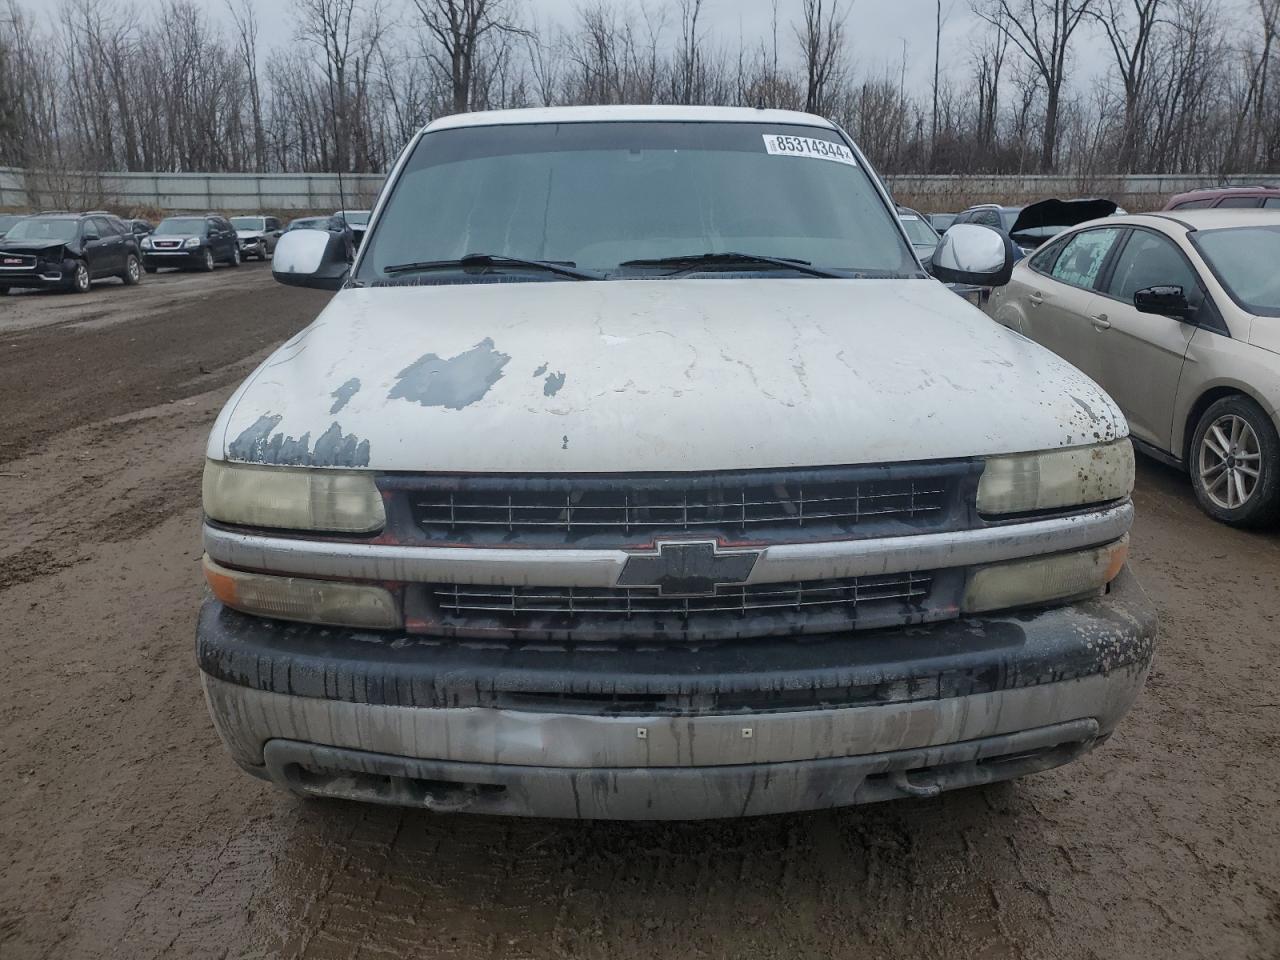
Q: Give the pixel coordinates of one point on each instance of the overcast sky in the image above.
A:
(877, 30)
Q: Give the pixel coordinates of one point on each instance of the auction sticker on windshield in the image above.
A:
(785, 145)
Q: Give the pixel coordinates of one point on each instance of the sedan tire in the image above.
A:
(1235, 463)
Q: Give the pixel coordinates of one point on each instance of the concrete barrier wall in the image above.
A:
(235, 192)
(231, 192)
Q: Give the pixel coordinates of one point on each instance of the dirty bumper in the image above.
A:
(669, 733)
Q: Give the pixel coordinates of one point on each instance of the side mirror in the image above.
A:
(90, 236)
(312, 258)
(1165, 301)
(972, 254)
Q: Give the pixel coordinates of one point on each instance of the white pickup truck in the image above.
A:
(638, 470)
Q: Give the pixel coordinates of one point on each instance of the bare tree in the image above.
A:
(822, 49)
(1042, 31)
(460, 27)
(1130, 27)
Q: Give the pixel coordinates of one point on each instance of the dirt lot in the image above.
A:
(125, 831)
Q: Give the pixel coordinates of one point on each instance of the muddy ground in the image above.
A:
(125, 831)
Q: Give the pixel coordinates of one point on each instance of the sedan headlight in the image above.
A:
(191, 242)
(289, 498)
(1070, 477)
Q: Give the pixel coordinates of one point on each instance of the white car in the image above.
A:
(637, 470)
(257, 235)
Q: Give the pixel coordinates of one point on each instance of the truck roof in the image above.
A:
(676, 114)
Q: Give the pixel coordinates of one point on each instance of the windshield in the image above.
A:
(7, 221)
(918, 231)
(357, 218)
(1244, 261)
(180, 227)
(600, 194)
(249, 223)
(41, 228)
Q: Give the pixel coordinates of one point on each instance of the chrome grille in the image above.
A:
(629, 602)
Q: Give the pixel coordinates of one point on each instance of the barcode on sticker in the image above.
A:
(785, 145)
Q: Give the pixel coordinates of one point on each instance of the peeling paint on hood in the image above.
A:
(659, 375)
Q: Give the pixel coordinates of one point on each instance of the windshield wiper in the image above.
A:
(479, 261)
(695, 261)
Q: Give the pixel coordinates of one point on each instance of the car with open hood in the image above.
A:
(191, 242)
(68, 251)
(637, 469)
(1031, 225)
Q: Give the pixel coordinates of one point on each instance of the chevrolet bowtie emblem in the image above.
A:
(687, 569)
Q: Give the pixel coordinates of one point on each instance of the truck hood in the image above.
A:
(655, 375)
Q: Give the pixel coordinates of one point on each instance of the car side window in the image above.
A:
(1151, 260)
(1194, 204)
(1241, 202)
(1082, 258)
(988, 218)
(1271, 202)
(1044, 258)
(210, 226)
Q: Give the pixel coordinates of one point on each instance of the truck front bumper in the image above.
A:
(672, 732)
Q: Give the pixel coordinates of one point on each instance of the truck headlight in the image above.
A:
(296, 598)
(1069, 477)
(291, 498)
(1021, 583)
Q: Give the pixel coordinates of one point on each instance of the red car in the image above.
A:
(1238, 197)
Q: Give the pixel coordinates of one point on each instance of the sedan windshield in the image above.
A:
(180, 227)
(42, 228)
(617, 198)
(248, 223)
(1244, 261)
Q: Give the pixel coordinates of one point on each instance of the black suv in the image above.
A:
(68, 251)
(191, 241)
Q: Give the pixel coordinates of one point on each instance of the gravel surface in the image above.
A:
(126, 832)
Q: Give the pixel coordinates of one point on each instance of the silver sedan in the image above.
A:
(1177, 316)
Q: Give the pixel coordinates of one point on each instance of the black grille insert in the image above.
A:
(755, 506)
(636, 615)
(629, 602)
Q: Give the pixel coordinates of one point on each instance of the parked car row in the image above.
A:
(71, 251)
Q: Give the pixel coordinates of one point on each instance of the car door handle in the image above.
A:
(1100, 322)
(1036, 299)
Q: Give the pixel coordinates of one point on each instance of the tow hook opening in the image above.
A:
(445, 796)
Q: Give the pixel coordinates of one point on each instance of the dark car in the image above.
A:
(191, 242)
(942, 221)
(68, 251)
(332, 224)
(140, 228)
(357, 220)
(7, 220)
(1241, 198)
(1036, 223)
